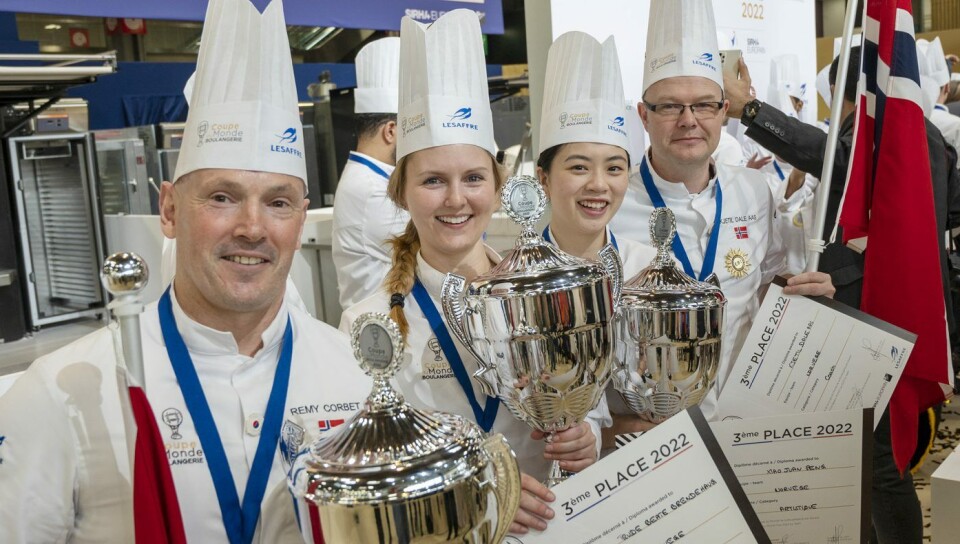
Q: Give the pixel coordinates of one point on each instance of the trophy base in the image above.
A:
(556, 475)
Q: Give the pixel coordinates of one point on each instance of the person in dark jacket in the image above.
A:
(896, 510)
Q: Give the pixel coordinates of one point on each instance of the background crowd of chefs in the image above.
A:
(412, 204)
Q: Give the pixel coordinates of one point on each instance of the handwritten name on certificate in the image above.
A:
(813, 354)
(670, 485)
(806, 475)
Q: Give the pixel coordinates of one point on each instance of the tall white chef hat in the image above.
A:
(784, 83)
(933, 72)
(583, 93)
(637, 139)
(681, 41)
(823, 86)
(444, 98)
(378, 77)
(243, 106)
(823, 76)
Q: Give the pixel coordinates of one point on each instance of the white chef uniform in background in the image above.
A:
(364, 217)
(934, 74)
(682, 42)
(67, 447)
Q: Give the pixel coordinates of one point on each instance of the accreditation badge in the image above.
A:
(737, 263)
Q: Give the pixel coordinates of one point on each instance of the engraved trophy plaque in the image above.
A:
(668, 332)
(540, 323)
(393, 474)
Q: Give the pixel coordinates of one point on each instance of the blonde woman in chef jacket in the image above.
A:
(449, 182)
(230, 364)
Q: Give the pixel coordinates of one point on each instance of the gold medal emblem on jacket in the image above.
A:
(737, 263)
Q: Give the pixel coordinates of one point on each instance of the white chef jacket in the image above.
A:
(65, 474)
(794, 216)
(634, 255)
(729, 151)
(949, 125)
(746, 228)
(428, 381)
(364, 219)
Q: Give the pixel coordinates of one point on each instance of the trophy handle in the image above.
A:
(507, 486)
(450, 293)
(610, 259)
(713, 280)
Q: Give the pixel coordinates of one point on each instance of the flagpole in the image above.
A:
(816, 244)
(125, 275)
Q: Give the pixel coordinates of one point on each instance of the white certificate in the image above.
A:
(806, 475)
(672, 484)
(813, 354)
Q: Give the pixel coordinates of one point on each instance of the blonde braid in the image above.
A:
(400, 277)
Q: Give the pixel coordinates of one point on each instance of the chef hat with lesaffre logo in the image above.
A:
(583, 93)
(681, 41)
(378, 77)
(243, 106)
(444, 97)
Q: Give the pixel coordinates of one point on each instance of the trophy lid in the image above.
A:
(389, 450)
(662, 286)
(533, 265)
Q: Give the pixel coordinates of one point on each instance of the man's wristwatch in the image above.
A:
(750, 111)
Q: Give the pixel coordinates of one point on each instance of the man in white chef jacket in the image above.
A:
(935, 84)
(228, 362)
(729, 209)
(364, 218)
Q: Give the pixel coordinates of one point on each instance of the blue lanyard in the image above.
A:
(484, 416)
(239, 523)
(369, 164)
(779, 170)
(678, 250)
(546, 236)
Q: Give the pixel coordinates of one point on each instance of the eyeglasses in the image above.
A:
(701, 110)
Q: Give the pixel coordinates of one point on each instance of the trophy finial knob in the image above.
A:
(663, 228)
(124, 273)
(377, 345)
(524, 200)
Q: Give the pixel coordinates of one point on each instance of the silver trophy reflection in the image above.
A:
(394, 474)
(540, 323)
(669, 332)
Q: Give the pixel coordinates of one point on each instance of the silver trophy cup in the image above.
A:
(540, 323)
(668, 332)
(396, 475)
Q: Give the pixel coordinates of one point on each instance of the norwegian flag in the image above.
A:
(156, 510)
(741, 232)
(889, 198)
(327, 424)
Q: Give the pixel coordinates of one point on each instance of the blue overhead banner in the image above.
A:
(369, 14)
